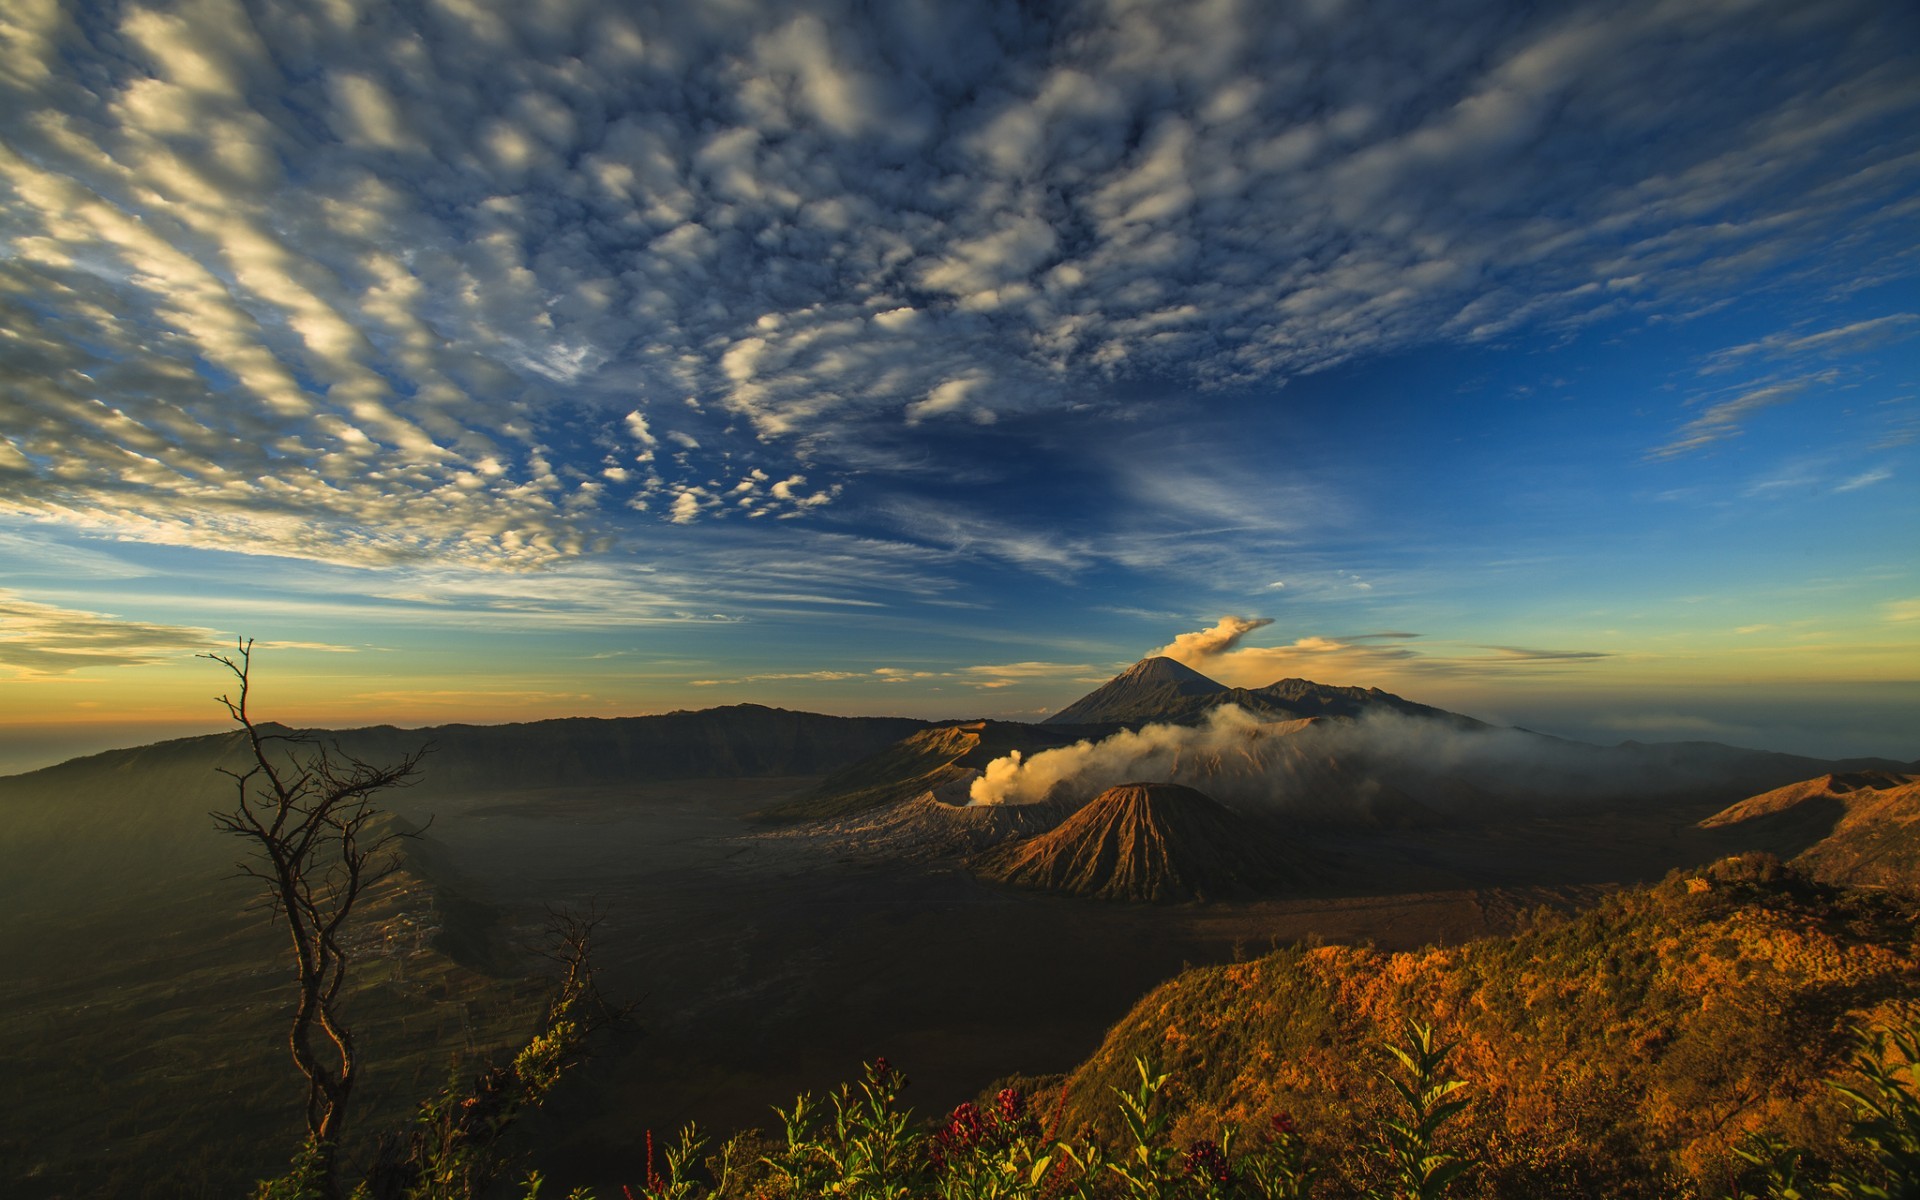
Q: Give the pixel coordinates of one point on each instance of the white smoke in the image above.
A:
(1195, 648)
(1336, 768)
(1231, 756)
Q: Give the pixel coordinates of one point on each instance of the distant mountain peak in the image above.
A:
(1150, 685)
(1168, 670)
(1163, 690)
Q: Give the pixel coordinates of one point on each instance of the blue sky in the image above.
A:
(491, 362)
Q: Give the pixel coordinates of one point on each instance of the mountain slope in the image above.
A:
(1620, 1053)
(95, 830)
(1149, 687)
(921, 762)
(938, 824)
(1156, 842)
(1858, 827)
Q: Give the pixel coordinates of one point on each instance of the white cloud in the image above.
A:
(45, 639)
(284, 284)
(1864, 479)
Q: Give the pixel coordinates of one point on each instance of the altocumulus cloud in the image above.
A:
(500, 284)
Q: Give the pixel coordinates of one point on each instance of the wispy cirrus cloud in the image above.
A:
(1221, 652)
(1779, 370)
(1723, 418)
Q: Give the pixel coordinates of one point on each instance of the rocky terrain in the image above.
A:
(1156, 842)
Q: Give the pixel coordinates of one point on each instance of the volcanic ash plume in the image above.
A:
(1230, 755)
(1381, 766)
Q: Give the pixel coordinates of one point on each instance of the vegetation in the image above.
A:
(1737, 1031)
(1624, 1052)
(862, 1145)
(319, 844)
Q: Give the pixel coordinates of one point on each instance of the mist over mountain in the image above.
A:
(1352, 754)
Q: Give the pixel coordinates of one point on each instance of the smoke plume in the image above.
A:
(1379, 766)
(1196, 648)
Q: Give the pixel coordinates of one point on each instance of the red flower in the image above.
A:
(1205, 1161)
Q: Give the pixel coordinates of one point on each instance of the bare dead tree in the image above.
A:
(317, 842)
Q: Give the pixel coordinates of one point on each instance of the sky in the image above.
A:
(1558, 364)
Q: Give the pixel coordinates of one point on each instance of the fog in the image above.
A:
(1379, 765)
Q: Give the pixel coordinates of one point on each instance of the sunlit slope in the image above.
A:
(1617, 1053)
(1859, 827)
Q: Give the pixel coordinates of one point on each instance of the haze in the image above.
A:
(495, 362)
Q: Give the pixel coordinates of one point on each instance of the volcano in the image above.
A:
(1148, 688)
(1162, 690)
(1157, 842)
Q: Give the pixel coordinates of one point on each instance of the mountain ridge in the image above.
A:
(1853, 827)
(1160, 689)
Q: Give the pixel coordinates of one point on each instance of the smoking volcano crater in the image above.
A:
(1152, 842)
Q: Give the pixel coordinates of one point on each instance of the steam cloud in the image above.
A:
(1195, 648)
(1339, 768)
(1227, 753)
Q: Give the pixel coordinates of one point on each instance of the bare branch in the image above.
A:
(316, 844)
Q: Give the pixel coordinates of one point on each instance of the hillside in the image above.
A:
(934, 826)
(730, 742)
(920, 762)
(1156, 842)
(146, 1049)
(1858, 827)
(1621, 1053)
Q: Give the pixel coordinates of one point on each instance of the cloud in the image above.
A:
(1003, 675)
(1217, 652)
(1369, 659)
(360, 292)
(44, 639)
(823, 676)
(1324, 768)
(1852, 338)
(1196, 648)
(1777, 373)
(1864, 479)
(1524, 655)
(1723, 419)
